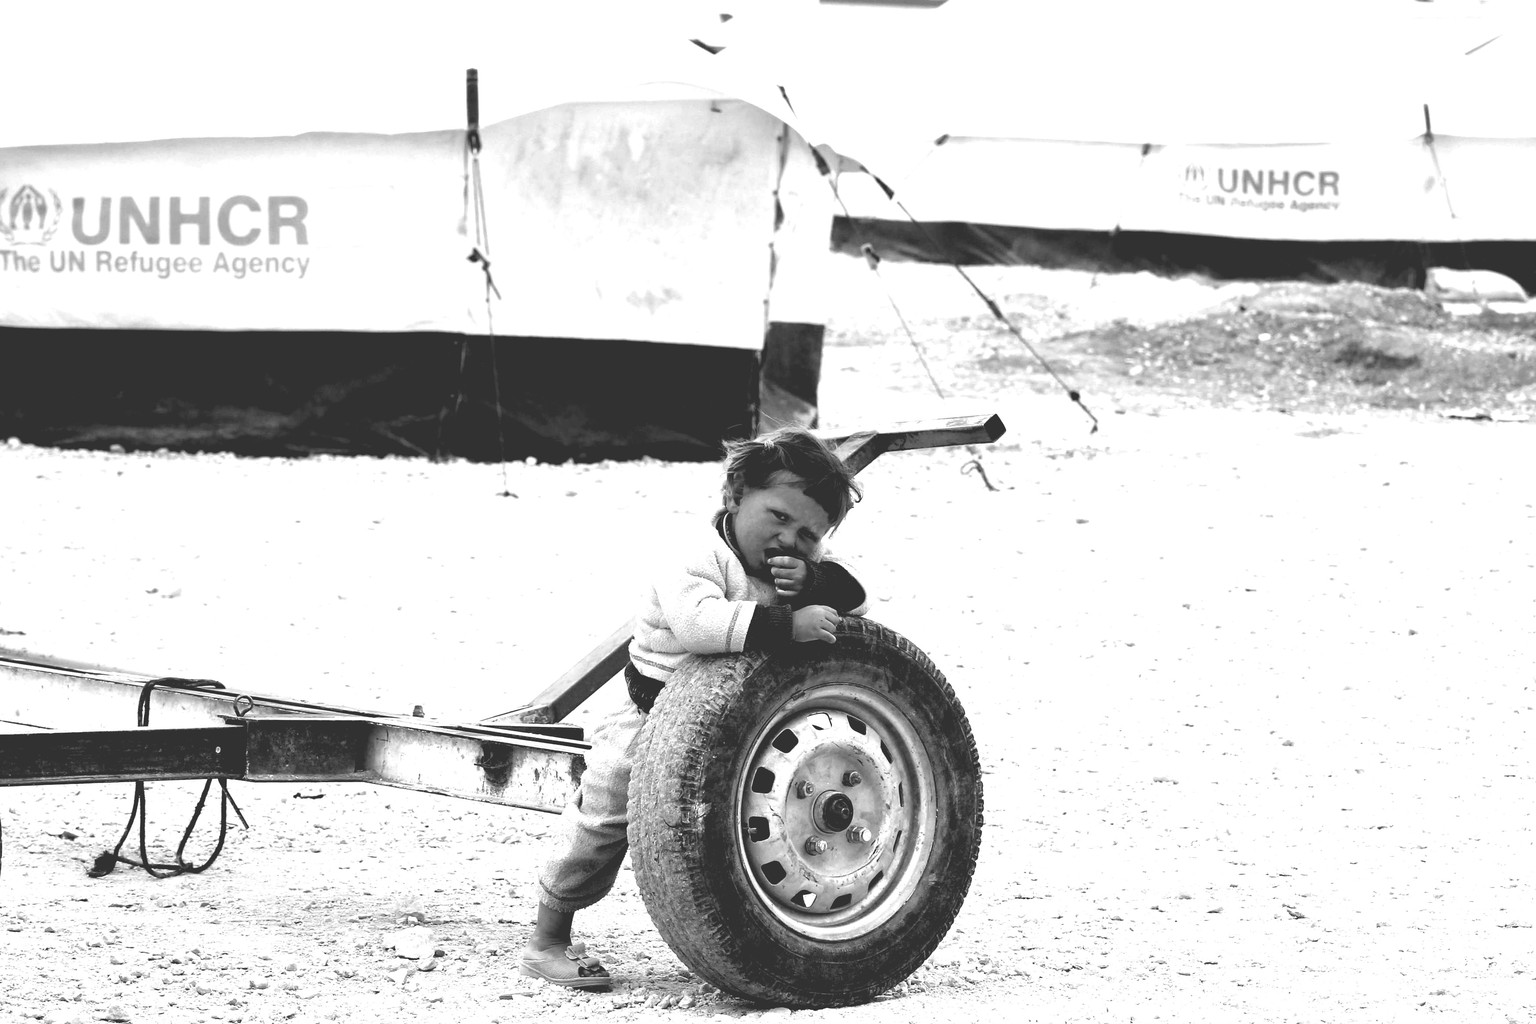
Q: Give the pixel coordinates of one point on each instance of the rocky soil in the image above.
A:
(1249, 668)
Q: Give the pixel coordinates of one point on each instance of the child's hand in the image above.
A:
(816, 622)
(789, 574)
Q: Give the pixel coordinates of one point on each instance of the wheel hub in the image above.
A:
(833, 812)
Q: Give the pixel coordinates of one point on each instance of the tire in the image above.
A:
(719, 825)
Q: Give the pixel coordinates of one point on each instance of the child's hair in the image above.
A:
(828, 482)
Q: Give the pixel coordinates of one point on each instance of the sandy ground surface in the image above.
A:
(1253, 690)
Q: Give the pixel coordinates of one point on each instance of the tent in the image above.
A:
(274, 234)
(631, 265)
(1262, 130)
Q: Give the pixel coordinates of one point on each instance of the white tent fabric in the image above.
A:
(1205, 72)
(874, 82)
(638, 221)
(174, 69)
(168, 69)
(302, 167)
(1296, 120)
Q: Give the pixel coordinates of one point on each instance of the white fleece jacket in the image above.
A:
(702, 606)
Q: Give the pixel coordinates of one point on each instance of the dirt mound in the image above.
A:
(1331, 348)
(1289, 346)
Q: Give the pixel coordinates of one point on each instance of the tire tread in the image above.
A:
(669, 807)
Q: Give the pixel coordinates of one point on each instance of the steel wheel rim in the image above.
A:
(855, 882)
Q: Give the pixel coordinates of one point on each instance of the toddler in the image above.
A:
(756, 579)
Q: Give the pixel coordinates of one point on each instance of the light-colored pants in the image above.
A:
(594, 828)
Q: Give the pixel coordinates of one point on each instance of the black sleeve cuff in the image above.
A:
(833, 585)
(772, 628)
(643, 690)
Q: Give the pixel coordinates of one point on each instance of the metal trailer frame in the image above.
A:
(524, 757)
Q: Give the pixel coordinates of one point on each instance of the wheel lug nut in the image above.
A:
(805, 789)
(815, 846)
(852, 778)
(860, 834)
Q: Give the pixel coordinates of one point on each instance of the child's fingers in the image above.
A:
(828, 624)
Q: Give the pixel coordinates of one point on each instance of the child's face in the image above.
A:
(778, 517)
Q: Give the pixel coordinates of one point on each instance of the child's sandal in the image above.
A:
(572, 970)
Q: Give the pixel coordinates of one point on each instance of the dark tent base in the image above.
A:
(1392, 264)
(432, 395)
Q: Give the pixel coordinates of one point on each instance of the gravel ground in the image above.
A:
(1252, 688)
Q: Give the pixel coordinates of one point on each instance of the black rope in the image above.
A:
(974, 466)
(108, 861)
(450, 409)
(1072, 393)
(1114, 232)
(480, 254)
(872, 258)
(1445, 187)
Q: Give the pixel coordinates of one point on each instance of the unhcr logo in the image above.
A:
(28, 217)
(31, 216)
(1260, 188)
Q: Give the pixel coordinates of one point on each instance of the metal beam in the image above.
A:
(42, 692)
(579, 682)
(121, 755)
(469, 763)
(857, 451)
(531, 766)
